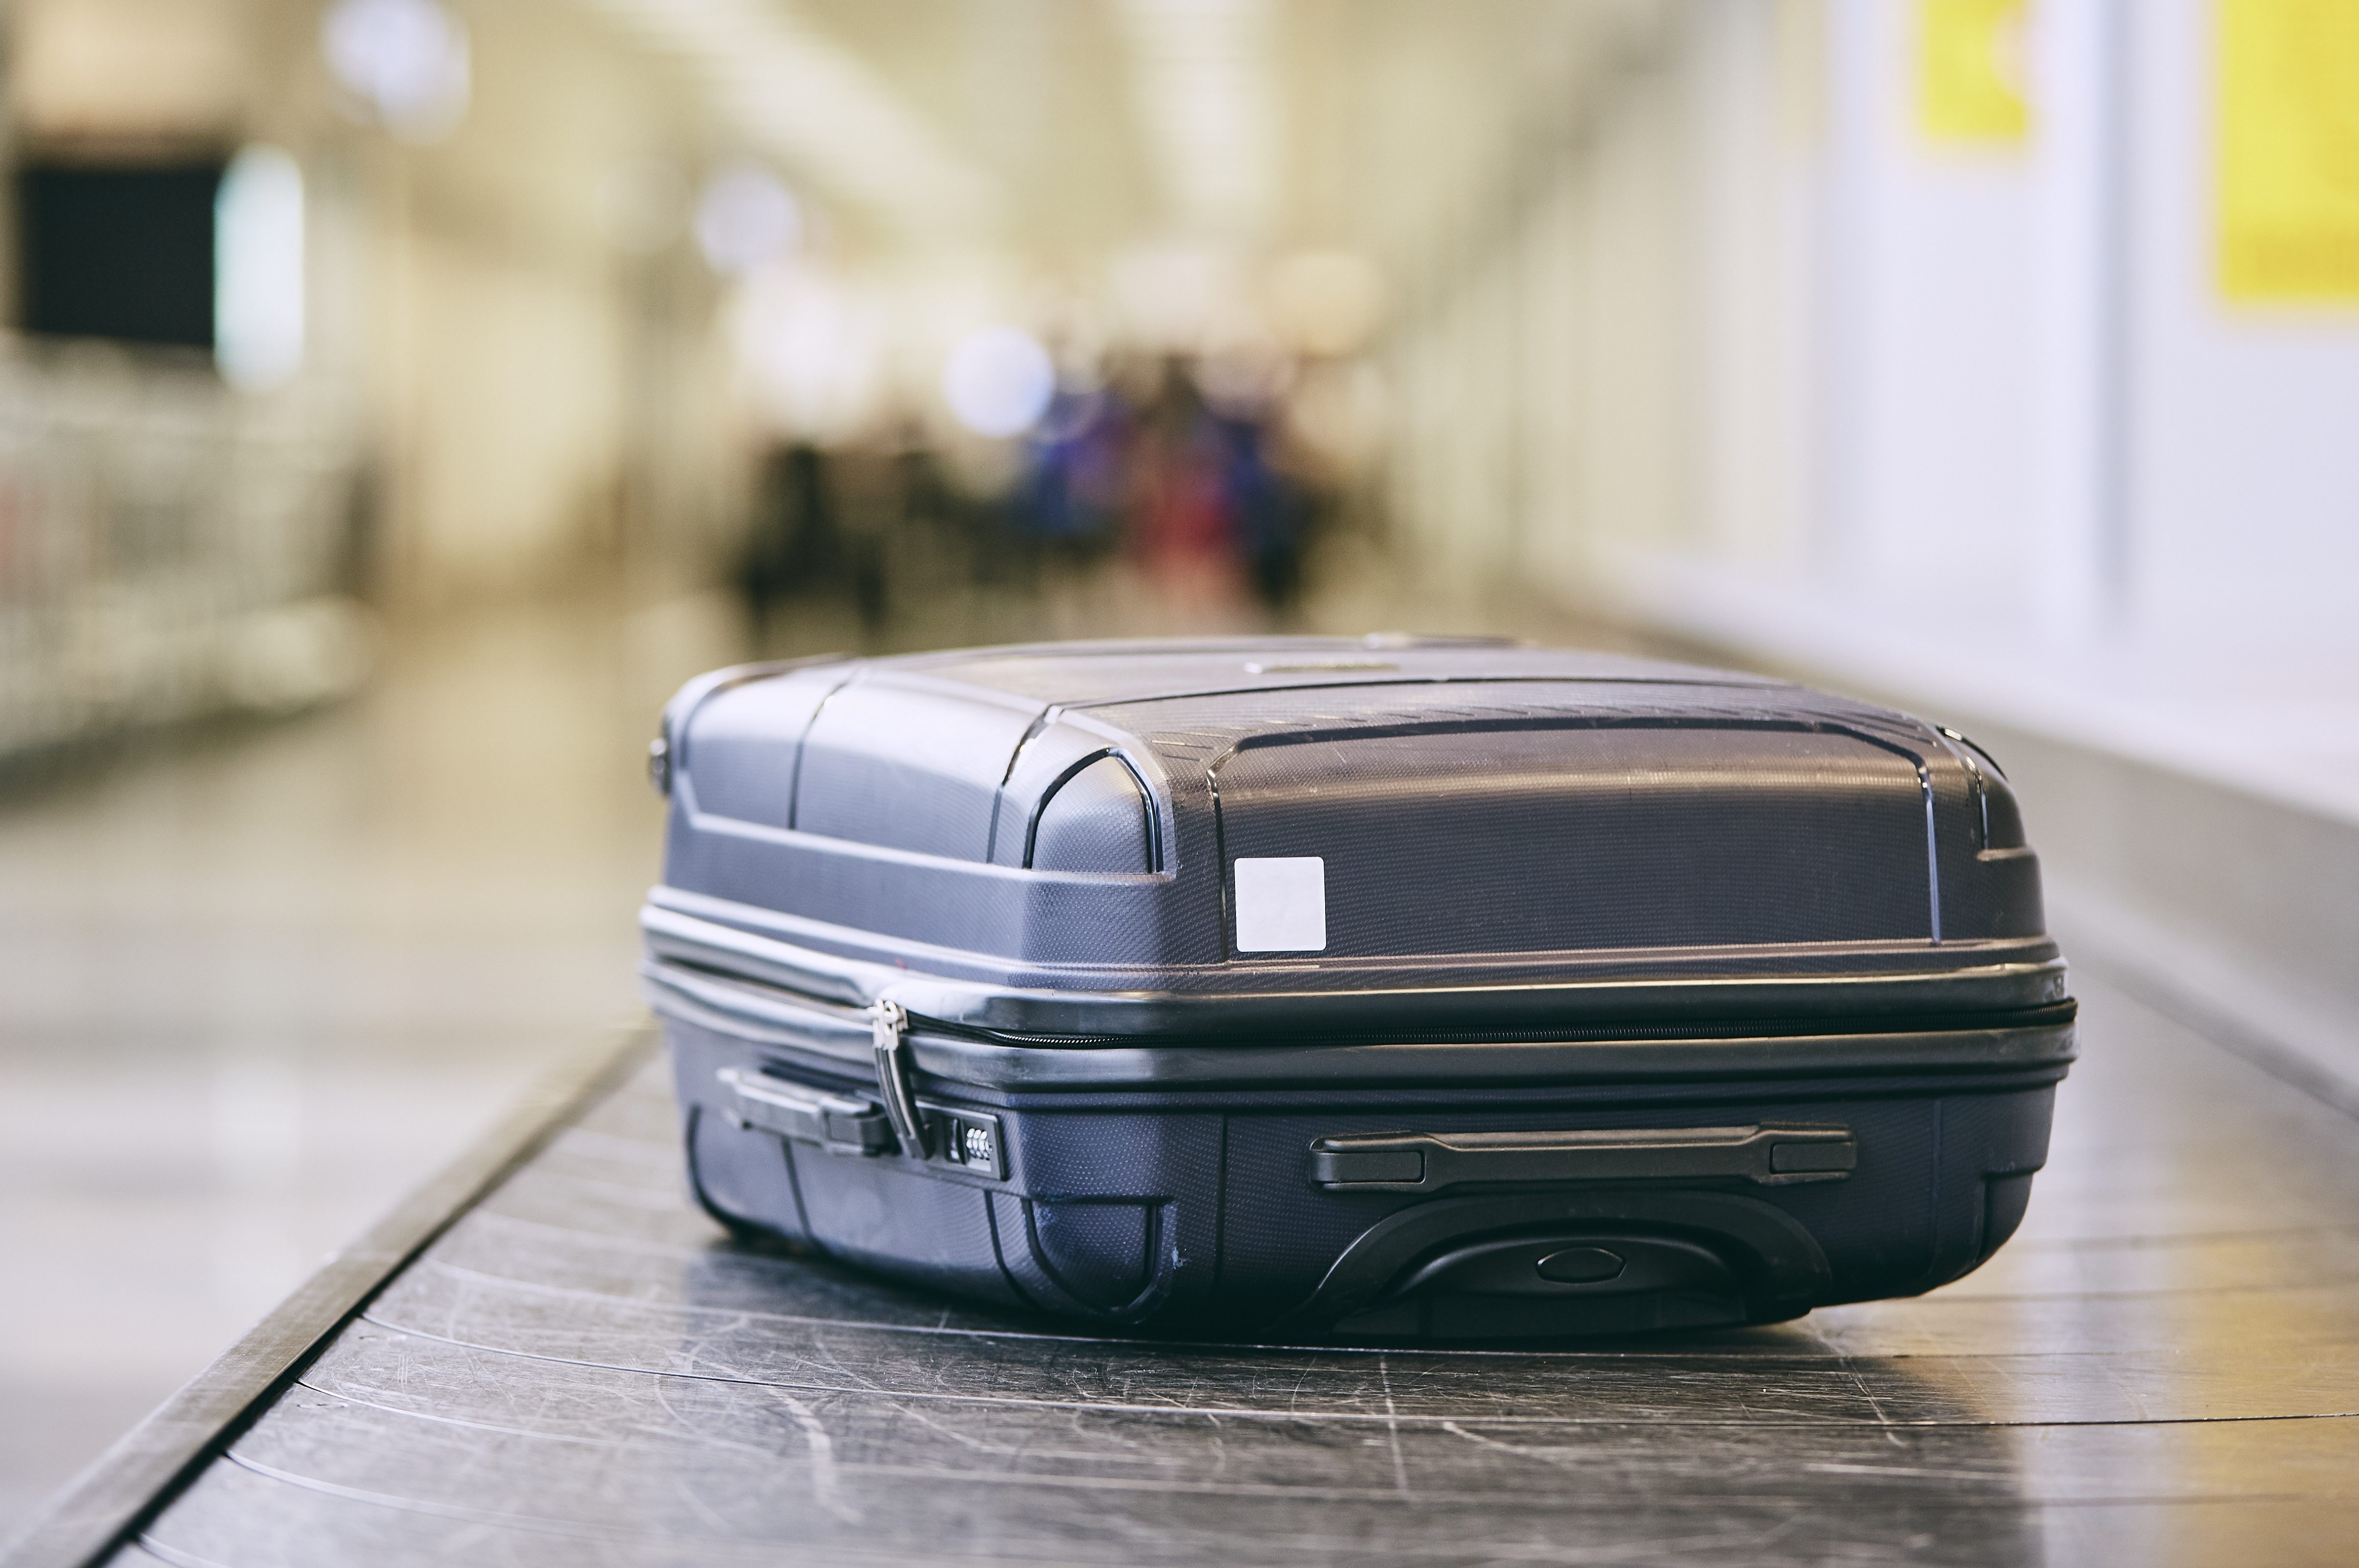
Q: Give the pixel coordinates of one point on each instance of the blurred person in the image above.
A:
(1311, 481)
(1184, 527)
(1074, 488)
(871, 518)
(1270, 511)
(795, 545)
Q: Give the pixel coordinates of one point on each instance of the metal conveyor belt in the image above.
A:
(578, 1370)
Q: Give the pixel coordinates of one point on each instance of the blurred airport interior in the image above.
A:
(403, 394)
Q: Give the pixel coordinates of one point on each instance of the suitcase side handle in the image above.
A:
(1432, 1161)
(843, 1123)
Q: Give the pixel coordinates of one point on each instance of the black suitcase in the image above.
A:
(1396, 988)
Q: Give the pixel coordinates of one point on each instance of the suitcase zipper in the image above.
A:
(888, 1024)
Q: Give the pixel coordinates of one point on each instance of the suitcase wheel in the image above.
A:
(1570, 1264)
(1578, 1282)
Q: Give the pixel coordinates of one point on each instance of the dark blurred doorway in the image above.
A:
(115, 251)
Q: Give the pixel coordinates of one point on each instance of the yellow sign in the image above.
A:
(2288, 149)
(1970, 71)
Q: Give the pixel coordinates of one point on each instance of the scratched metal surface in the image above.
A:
(2162, 1369)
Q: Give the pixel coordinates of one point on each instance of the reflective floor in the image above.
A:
(2163, 1368)
(254, 987)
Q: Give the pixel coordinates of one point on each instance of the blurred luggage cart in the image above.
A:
(170, 550)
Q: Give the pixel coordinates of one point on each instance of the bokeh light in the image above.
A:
(407, 59)
(746, 219)
(258, 269)
(998, 381)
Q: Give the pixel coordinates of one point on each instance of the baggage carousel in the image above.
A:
(551, 1357)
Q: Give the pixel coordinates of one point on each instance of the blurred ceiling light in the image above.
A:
(1242, 376)
(1172, 297)
(1326, 302)
(1208, 92)
(810, 351)
(407, 59)
(126, 68)
(999, 381)
(1338, 412)
(258, 269)
(746, 219)
(798, 94)
(643, 204)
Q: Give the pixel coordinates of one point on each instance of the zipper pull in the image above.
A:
(889, 1025)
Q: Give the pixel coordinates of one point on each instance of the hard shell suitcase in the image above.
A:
(1396, 988)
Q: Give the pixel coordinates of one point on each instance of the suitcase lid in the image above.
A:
(1501, 830)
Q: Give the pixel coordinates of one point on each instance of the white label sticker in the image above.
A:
(1282, 906)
